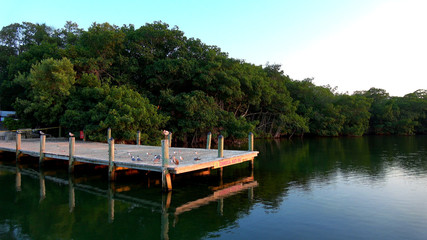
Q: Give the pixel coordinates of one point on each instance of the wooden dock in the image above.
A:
(140, 157)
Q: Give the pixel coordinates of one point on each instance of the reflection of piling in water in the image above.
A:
(42, 186)
(71, 194)
(114, 193)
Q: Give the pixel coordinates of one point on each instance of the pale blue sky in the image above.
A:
(334, 41)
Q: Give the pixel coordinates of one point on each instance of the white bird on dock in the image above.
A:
(181, 158)
(41, 133)
(71, 134)
(165, 132)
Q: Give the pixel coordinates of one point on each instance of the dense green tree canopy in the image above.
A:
(154, 77)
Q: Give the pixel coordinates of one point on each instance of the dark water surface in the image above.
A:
(323, 188)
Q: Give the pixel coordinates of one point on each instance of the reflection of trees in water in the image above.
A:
(283, 165)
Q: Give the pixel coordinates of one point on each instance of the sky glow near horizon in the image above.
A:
(352, 45)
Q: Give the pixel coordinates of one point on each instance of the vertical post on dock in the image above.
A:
(42, 148)
(108, 134)
(60, 131)
(251, 142)
(208, 140)
(166, 178)
(71, 149)
(138, 138)
(18, 146)
(111, 168)
(220, 146)
(170, 139)
(251, 148)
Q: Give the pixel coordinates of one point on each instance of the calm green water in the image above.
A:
(326, 188)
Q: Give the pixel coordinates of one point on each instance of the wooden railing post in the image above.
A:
(111, 168)
(170, 139)
(251, 142)
(18, 146)
(166, 178)
(220, 146)
(71, 150)
(138, 138)
(208, 140)
(42, 148)
(108, 134)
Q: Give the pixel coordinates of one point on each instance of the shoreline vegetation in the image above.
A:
(154, 77)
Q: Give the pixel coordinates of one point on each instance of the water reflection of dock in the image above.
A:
(113, 194)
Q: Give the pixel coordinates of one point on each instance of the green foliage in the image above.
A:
(355, 110)
(50, 82)
(153, 77)
(13, 124)
(94, 109)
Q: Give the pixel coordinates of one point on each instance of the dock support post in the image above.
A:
(138, 138)
(251, 142)
(42, 149)
(111, 168)
(108, 134)
(60, 131)
(170, 139)
(166, 178)
(18, 146)
(71, 148)
(220, 146)
(208, 140)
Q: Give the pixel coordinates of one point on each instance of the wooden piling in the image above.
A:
(208, 140)
(166, 178)
(170, 139)
(111, 167)
(42, 148)
(108, 134)
(18, 146)
(138, 138)
(71, 148)
(251, 142)
(220, 146)
(60, 131)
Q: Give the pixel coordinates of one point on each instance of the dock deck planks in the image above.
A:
(97, 153)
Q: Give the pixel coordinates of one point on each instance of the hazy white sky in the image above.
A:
(351, 44)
